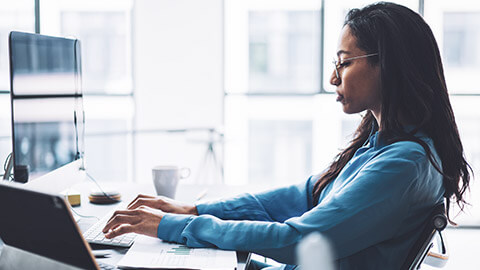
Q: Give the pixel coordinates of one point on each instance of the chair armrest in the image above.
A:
(439, 257)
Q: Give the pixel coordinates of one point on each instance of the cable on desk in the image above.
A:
(74, 211)
(100, 188)
(82, 216)
(5, 165)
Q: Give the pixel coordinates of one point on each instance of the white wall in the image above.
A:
(178, 48)
(178, 71)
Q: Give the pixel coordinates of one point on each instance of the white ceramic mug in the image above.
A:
(165, 179)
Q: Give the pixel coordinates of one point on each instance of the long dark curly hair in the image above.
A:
(413, 90)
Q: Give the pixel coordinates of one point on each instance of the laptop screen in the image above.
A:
(42, 224)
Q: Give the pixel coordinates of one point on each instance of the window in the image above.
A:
(105, 43)
(468, 122)
(461, 40)
(456, 26)
(284, 51)
(269, 139)
(104, 30)
(14, 15)
(272, 46)
(283, 139)
(279, 150)
(20, 16)
(5, 128)
(108, 137)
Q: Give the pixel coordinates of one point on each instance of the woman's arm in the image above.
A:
(275, 205)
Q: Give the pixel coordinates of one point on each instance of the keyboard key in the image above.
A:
(94, 235)
(105, 266)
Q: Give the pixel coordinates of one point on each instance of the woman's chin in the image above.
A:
(349, 110)
(346, 109)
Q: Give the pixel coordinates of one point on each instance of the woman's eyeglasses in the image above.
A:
(338, 64)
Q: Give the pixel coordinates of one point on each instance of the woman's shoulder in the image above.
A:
(408, 149)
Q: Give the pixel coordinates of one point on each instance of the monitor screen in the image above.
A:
(47, 110)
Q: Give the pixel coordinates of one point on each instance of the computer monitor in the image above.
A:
(47, 109)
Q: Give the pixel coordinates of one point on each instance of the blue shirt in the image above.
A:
(371, 213)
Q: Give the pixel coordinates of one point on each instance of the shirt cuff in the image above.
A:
(171, 227)
(210, 208)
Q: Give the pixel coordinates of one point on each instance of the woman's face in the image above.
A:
(358, 87)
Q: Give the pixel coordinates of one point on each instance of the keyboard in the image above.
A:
(94, 235)
(104, 266)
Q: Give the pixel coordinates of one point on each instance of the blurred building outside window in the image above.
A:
(456, 26)
(104, 30)
(14, 16)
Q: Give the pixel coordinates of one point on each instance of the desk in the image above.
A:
(12, 258)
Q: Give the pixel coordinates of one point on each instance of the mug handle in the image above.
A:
(184, 173)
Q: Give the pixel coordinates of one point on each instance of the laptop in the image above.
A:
(42, 224)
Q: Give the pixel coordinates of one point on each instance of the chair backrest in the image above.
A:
(436, 222)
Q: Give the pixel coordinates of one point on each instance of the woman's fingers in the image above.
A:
(162, 203)
(143, 220)
(139, 196)
(121, 217)
(120, 212)
(150, 202)
(123, 229)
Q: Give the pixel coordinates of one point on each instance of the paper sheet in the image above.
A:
(149, 252)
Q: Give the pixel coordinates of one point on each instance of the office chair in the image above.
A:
(421, 250)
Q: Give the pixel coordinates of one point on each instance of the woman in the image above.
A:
(406, 157)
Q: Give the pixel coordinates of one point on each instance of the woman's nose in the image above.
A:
(334, 80)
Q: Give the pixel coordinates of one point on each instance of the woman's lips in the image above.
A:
(339, 98)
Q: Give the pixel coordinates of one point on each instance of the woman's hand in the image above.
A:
(143, 220)
(165, 204)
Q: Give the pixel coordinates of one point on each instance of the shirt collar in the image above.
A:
(376, 140)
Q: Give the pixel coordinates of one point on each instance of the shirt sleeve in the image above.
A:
(367, 210)
(275, 205)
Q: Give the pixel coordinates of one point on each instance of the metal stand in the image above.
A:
(210, 157)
